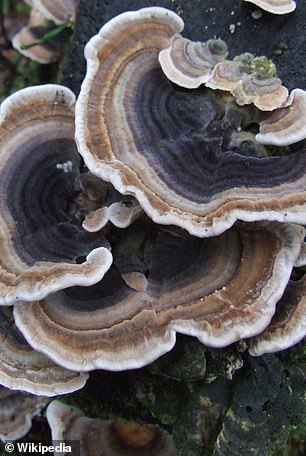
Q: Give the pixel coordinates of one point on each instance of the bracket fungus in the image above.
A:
(165, 281)
(288, 325)
(23, 41)
(275, 6)
(55, 10)
(104, 204)
(286, 125)
(22, 368)
(112, 438)
(188, 63)
(16, 412)
(250, 80)
(169, 147)
(41, 241)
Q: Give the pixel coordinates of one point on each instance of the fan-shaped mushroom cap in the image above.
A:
(105, 204)
(38, 26)
(250, 80)
(188, 63)
(22, 368)
(288, 326)
(121, 214)
(58, 11)
(286, 125)
(111, 438)
(164, 281)
(275, 6)
(16, 412)
(40, 238)
(168, 147)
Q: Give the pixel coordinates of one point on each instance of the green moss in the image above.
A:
(262, 67)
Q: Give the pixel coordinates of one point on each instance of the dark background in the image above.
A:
(282, 38)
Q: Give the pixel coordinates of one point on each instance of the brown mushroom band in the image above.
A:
(163, 280)
(113, 438)
(38, 196)
(169, 147)
(22, 368)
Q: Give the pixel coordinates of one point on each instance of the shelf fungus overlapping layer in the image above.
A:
(104, 204)
(55, 10)
(32, 32)
(249, 79)
(22, 368)
(16, 412)
(286, 125)
(188, 63)
(288, 325)
(275, 6)
(112, 438)
(42, 241)
(164, 281)
(170, 147)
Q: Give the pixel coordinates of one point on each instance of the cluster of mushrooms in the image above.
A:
(149, 207)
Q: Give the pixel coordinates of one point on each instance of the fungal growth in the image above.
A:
(165, 281)
(286, 125)
(24, 369)
(16, 412)
(171, 148)
(250, 80)
(43, 245)
(33, 31)
(113, 438)
(45, 15)
(288, 325)
(103, 204)
(188, 63)
(55, 10)
(275, 6)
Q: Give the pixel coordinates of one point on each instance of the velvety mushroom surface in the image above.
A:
(58, 11)
(22, 368)
(16, 412)
(165, 281)
(170, 147)
(42, 240)
(275, 6)
(189, 63)
(249, 79)
(35, 29)
(286, 125)
(103, 204)
(288, 326)
(111, 438)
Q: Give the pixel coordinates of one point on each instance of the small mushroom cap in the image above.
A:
(16, 412)
(40, 239)
(169, 147)
(58, 11)
(22, 368)
(103, 204)
(288, 325)
(38, 26)
(164, 281)
(188, 63)
(275, 6)
(286, 125)
(250, 80)
(121, 214)
(110, 438)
